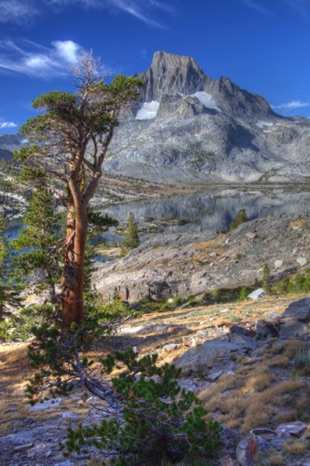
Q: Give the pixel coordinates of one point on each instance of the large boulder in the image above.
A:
(201, 359)
(295, 319)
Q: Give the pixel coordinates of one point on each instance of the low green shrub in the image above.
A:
(296, 284)
(241, 217)
(302, 357)
(158, 421)
(226, 295)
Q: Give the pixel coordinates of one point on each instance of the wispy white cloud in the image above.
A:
(302, 7)
(7, 124)
(292, 105)
(17, 11)
(144, 10)
(137, 9)
(36, 61)
(255, 5)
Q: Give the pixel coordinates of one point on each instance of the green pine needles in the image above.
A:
(131, 240)
(156, 420)
(241, 217)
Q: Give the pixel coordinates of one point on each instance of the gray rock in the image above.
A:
(172, 74)
(274, 316)
(155, 260)
(214, 375)
(302, 261)
(242, 453)
(23, 447)
(243, 340)
(295, 319)
(278, 264)
(237, 135)
(201, 359)
(70, 415)
(292, 328)
(170, 347)
(48, 404)
(299, 310)
(259, 293)
(294, 429)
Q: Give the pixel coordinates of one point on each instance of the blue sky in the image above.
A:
(262, 45)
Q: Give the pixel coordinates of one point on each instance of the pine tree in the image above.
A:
(241, 217)
(131, 240)
(38, 258)
(3, 255)
(9, 295)
(69, 140)
(266, 278)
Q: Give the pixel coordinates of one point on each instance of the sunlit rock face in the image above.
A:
(190, 128)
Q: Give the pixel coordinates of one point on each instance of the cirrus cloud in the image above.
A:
(37, 61)
(292, 105)
(7, 124)
(254, 5)
(16, 11)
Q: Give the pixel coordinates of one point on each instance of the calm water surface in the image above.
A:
(204, 210)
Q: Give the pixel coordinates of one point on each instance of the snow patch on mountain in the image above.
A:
(148, 110)
(261, 124)
(206, 100)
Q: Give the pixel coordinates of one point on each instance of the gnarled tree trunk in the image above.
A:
(73, 277)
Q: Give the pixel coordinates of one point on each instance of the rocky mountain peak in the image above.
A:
(172, 74)
(233, 99)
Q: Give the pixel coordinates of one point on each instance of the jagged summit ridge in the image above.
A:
(191, 128)
(172, 74)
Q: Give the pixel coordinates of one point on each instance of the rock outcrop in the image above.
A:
(191, 128)
(170, 264)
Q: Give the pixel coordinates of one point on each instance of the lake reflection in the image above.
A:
(208, 211)
(204, 210)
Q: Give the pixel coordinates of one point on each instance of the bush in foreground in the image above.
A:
(156, 420)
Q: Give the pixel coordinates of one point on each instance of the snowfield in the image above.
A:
(148, 111)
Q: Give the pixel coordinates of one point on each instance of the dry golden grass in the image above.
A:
(15, 372)
(289, 415)
(275, 349)
(278, 361)
(257, 395)
(300, 223)
(282, 388)
(246, 312)
(259, 382)
(295, 447)
(276, 459)
(14, 367)
(207, 247)
(254, 398)
(257, 414)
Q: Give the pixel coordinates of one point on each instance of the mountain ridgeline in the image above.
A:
(188, 127)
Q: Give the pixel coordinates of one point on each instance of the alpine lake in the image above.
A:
(205, 210)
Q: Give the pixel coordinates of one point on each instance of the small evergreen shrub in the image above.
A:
(297, 284)
(302, 357)
(158, 420)
(241, 217)
(266, 278)
(243, 295)
(131, 240)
